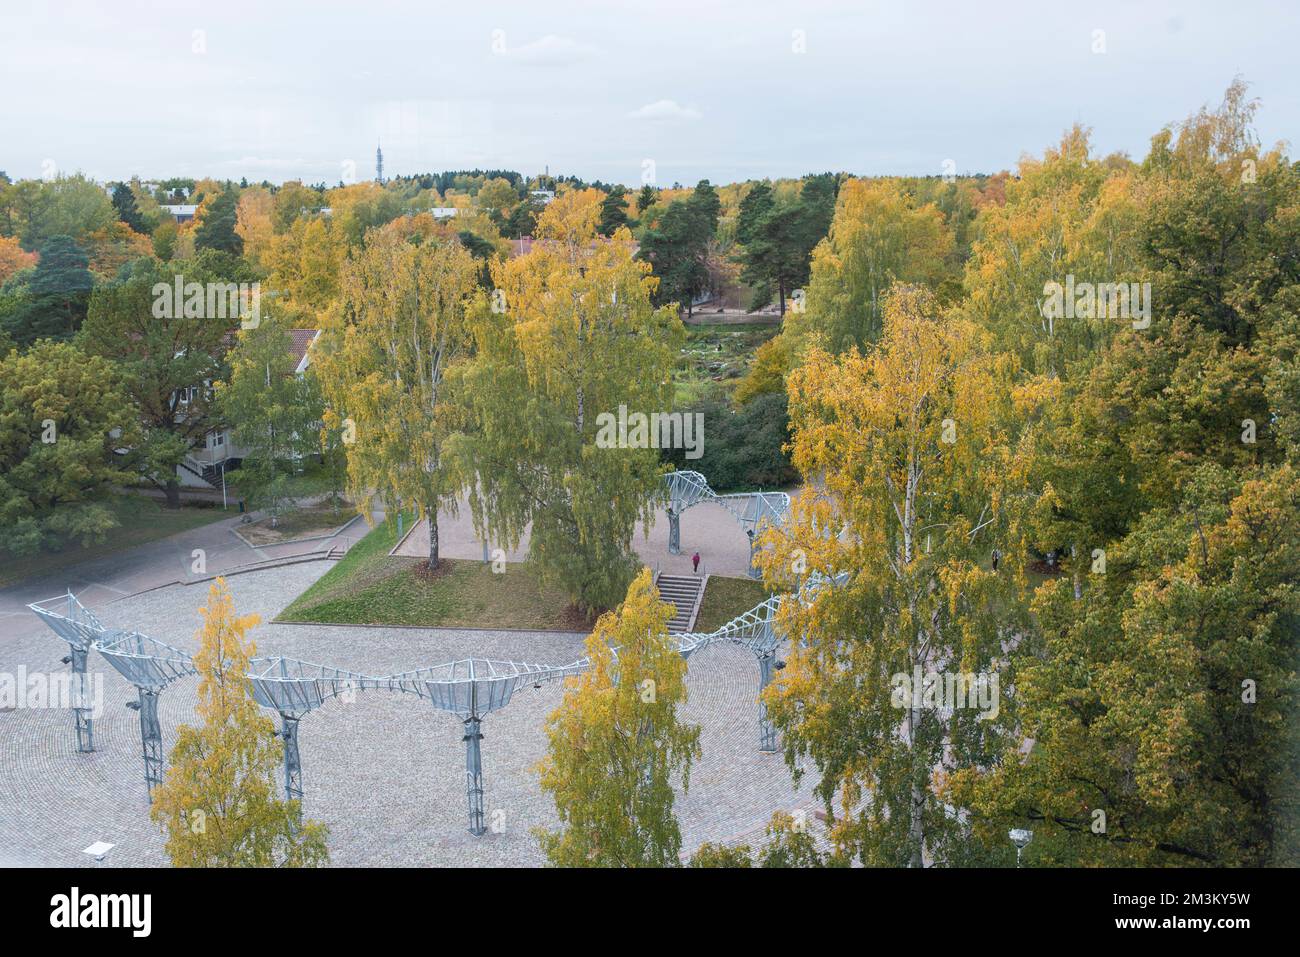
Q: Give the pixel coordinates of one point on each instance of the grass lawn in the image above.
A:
(725, 598)
(367, 587)
(140, 520)
(311, 521)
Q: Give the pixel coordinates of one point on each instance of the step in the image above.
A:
(684, 594)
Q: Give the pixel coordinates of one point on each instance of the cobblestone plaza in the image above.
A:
(385, 771)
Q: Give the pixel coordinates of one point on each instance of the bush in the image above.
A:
(743, 450)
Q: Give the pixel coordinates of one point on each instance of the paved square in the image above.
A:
(385, 772)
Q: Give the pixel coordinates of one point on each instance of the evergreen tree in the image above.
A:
(127, 210)
(613, 212)
(57, 295)
(216, 228)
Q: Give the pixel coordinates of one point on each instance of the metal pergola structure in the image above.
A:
(470, 688)
(73, 622)
(687, 488)
(151, 665)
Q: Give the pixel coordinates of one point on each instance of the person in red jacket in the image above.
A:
(695, 561)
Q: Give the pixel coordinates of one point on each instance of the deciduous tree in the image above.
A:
(618, 746)
(384, 360)
(218, 803)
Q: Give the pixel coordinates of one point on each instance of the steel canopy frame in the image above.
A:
(76, 624)
(687, 489)
(151, 665)
(470, 688)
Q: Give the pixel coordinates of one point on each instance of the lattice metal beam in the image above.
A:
(75, 624)
(470, 687)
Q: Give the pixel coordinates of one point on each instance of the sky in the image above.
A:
(656, 91)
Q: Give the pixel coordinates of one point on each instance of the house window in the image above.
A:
(216, 440)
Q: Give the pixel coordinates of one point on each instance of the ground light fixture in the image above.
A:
(99, 850)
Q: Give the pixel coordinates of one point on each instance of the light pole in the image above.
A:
(1020, 838)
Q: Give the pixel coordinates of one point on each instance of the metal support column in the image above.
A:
(766, 730)
(151, 740)
(292, 762)
(474, 772)
(674, 532)
(81, 701)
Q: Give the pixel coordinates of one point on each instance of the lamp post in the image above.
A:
(1020, 838)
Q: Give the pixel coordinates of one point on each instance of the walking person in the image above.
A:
(695, 562)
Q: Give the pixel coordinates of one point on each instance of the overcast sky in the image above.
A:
(727, 91)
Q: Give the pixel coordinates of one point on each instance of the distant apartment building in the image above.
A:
(204, 465)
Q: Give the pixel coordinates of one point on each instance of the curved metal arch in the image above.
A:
(471, 688)
(687, 489)
(294, 687)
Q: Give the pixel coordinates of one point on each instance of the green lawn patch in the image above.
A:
(367, 587)
(725, 598)
(140, 520)
(307, 521)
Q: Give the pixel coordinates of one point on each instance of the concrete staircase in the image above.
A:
(684, 593)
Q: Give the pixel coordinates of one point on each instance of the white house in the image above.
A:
(182, 213)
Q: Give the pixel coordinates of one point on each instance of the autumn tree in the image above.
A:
(910, 448)
(39, 210)
(253, 222)
(274, 412)
(13, 259)
(574, 336)
(305, 263)
(877, 237)
(62, 414)
(1160, 695)
(169, 360)
(218, 804)
(618, 746)
(1066, 215)
(383, 362)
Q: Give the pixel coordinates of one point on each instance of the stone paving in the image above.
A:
(386, 772)
(708, 528)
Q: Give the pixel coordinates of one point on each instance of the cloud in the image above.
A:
(549, 50)
(665, 110)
